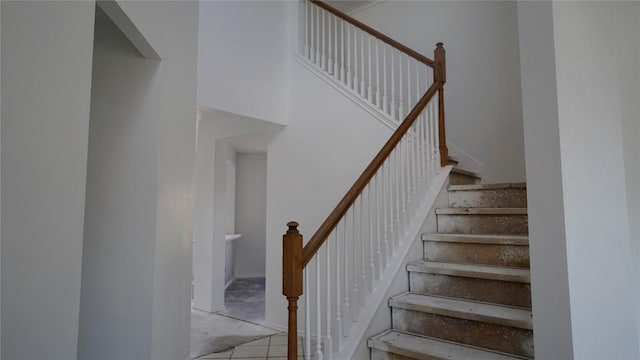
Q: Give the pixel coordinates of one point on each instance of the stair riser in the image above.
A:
(487, 254)
(491, 336)
(383, 355)
(461, 179)
(483, 224)
(492, 198)
(493, 291)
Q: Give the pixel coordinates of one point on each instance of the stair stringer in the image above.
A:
(376, 316)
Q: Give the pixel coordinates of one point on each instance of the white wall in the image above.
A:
(251, 215)
(578, 176)
(482, 94)
(627, 30)
(119, 231)
(46, 82)
(208, 251)
(595, 198)
(547, 243)
(243, 57)
(310, 166)
(172, 28)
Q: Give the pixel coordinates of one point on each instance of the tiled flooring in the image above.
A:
(272, 347)
(244, 300)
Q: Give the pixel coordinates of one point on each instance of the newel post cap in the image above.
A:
(293, 226)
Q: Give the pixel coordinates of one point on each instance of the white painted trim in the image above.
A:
(115, 12)
(350, 94)
(465, 161)
(398, 264)
(211, 311)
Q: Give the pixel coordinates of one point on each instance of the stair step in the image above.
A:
(499, 328)
(464, 309)
(470, 288)
(477, 250)
(487, 239)
(520, 185)
(462, 177)
(412, 346)
(507, 195)
(483, 220)
(472, 270)
(481, 211)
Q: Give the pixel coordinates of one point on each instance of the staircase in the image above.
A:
(470, 298)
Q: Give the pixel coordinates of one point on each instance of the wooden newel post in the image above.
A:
(440, 76)
(292, 282)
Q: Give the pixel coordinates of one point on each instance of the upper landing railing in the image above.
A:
(350, 251)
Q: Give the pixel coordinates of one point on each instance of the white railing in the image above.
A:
(345, 267)
(389, 80)
(351, 263)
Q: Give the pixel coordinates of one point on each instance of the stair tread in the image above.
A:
(464, 309)
(423, 347)
(503, 273)
(481, 211)
(520, 185)
(497, 239)
(457, 170)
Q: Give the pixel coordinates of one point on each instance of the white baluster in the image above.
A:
(312, 54)
(362, 85)
(318, 311)
(328, 344)
(307, 316)
(410, 104)
(385, 102)
(434, 134)
(342, 50)
(318, 45)
(363, 252)
(336, 69)
(370, 238)
(355, 298)
(323, 63)
(370, 88)
(399, 168)
(393, 86)
(378, 223)
(349, 75)
(306, 29)
(338, 288)
(414, 147)
(400, 78)
(348, 243)
(330, 44)
(356, 83)
(421, 150)
(378, 75)
(395, 199)
(420, 127)
(404, 177)
(385, 211)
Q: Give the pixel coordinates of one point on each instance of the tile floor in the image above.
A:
(272, 347)
(244, 300)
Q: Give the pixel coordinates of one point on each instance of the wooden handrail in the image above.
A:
(296, 257)
(350, 197)
(403, 48)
